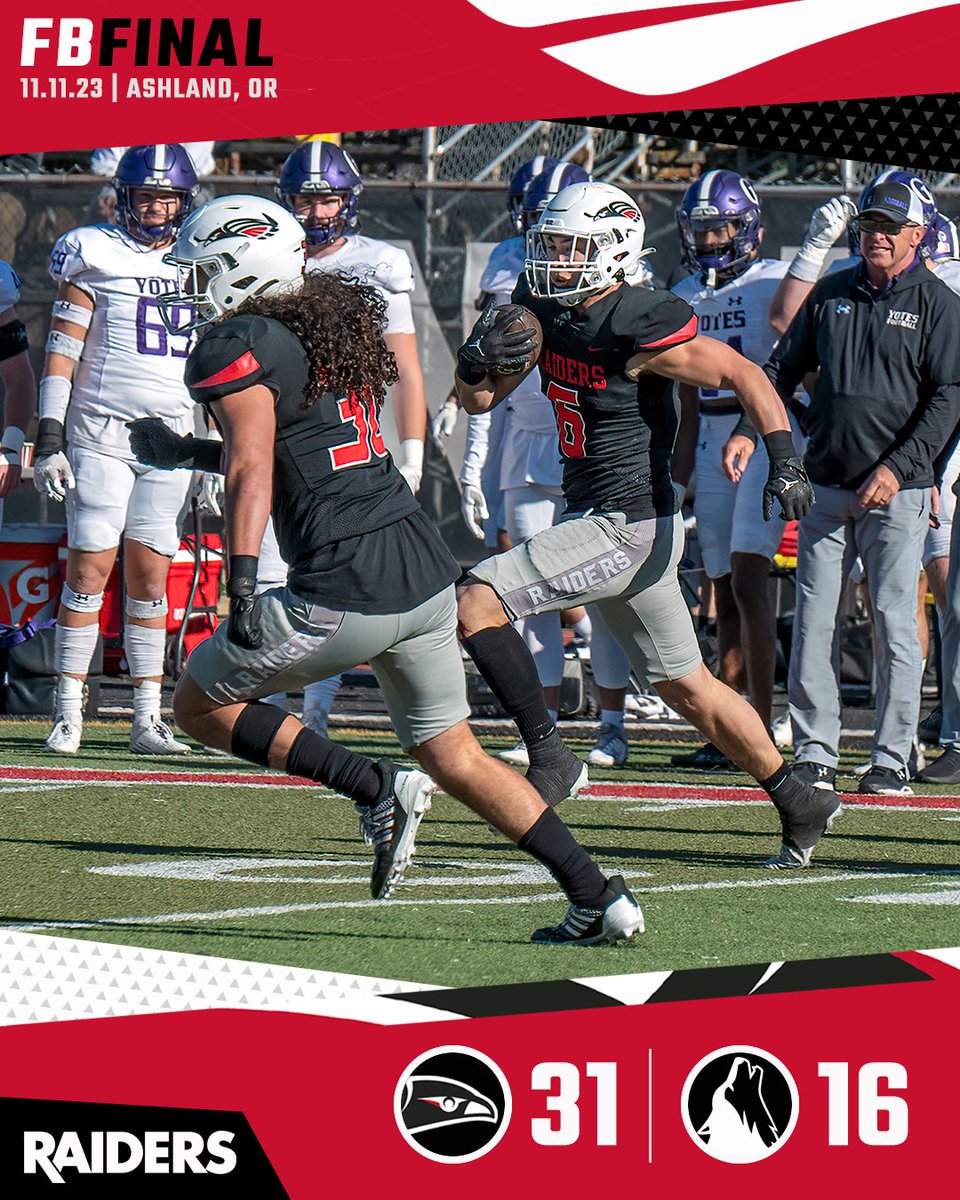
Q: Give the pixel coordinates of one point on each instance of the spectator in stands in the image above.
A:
(884, 335)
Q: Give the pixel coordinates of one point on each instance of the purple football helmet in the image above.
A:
(919, 189)
(545, 186)
(318, 168)
(718, 200)
(522, 177)
(945, 238)
(165, 167)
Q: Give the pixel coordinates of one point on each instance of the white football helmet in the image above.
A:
(589, 237)
(228, 250)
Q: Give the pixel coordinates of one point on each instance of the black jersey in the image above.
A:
(348, 526)
(616, 434)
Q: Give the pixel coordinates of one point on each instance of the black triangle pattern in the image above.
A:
(914, 131)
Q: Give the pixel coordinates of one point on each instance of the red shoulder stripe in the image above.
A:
(246, 364)
(674, 339)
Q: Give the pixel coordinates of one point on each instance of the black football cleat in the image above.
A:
(804, 819)
(390, 825)
(943, 770)
(561, 780)
(704, 758)
(615, 917)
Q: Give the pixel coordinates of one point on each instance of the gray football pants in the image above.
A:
(889, 541)
(950, 640)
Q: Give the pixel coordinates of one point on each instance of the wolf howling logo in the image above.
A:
(740, 1104)
(666, 57)
(740, 1126)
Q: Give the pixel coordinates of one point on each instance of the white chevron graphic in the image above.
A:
(660, 60)
(532, 13)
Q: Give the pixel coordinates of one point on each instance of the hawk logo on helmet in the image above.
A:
(617, 208)
(251, 227)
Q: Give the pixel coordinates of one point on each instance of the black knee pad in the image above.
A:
(254, 731)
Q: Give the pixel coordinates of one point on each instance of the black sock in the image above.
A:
(354, 775)
(550, 842)
(502, 658)
(782, 785)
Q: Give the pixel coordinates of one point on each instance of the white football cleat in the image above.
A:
(64, 737)
(154, 737)
(518, 756)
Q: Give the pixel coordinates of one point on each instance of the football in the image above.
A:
(514, 318)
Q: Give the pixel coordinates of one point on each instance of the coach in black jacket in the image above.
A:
(884, 336)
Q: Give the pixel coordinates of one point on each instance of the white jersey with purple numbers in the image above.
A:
(387, 267)
(949, 272)
(131, 366)
(9, 287)
(736, 313)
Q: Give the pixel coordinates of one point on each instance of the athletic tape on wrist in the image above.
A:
(76, 314)
(59, 342)
(411, 453)
(81, 602)
(146, 610)
(54, 397)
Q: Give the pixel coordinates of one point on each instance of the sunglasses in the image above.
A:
(890, 228)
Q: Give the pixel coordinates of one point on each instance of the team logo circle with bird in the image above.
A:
(740, 1104)
(452, 1104)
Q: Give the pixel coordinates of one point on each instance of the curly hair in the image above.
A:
(340, 322)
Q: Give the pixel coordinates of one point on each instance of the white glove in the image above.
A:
(444, 423)
(208, 490)
(411, 463)
(474, 509)
(827, 225)
(52, 476)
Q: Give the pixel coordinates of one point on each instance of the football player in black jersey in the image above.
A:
(293, 371)
(610, 355)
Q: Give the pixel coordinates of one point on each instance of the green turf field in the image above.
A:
(278, 874)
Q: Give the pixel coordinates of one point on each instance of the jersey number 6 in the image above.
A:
(569, 420)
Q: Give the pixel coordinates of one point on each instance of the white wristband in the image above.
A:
(54, 397)
(411, 453)
(808, 263)
(11, 444)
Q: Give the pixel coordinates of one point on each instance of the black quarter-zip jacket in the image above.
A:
(888, 389)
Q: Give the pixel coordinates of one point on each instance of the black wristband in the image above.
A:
(243, 574)
(470, 373)
(50, 438)
(779, 445)
(744, 428)
(206, 454)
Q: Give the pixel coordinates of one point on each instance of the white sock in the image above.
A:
(584, 628)
(146, 702)
(70, 700)
(318, 700)
(612, 716)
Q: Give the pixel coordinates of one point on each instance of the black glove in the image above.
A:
(786, 480)
(492, 348)
(243, 627)
(156, 445)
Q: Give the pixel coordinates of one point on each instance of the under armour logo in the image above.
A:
(680, 55)
(843, 307)
(734, 300)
